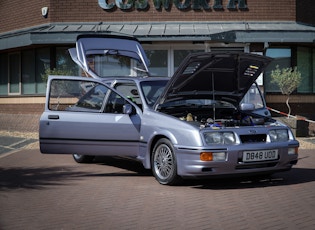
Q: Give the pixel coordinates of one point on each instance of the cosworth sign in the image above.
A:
(166, 4)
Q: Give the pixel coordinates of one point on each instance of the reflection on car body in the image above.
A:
(208, 120)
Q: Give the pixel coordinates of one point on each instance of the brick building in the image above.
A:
(35, 35)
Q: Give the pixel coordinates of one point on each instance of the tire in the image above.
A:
(82, 158)
(163, 163)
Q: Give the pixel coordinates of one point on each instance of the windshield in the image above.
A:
(111, 65)
(152, 90)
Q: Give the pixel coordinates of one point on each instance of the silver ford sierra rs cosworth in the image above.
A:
(209, 119)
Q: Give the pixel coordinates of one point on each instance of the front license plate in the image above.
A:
(260, 155)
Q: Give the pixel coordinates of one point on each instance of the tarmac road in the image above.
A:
(53, 192)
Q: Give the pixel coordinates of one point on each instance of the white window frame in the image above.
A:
(170, 51)
(206, 47)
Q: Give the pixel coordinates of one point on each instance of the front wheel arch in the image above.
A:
(164, 162)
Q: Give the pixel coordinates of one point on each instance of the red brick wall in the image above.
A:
(91, 11)
(16, 14)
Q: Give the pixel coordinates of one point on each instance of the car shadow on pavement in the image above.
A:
(40, 177)
(294, 176)
(37, 178)
(133, 167)
(43, 177)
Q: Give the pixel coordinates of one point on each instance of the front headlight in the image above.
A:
(220, 138)
(277, 135)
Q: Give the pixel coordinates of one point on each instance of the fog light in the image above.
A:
(205, 156)
(292, 151)
(221, 156)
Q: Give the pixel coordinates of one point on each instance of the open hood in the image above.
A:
(92, 50)
(215, 76)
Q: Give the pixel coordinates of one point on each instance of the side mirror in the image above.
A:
(247, 107)
(127, 109)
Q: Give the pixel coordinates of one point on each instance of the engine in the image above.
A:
(231, 118)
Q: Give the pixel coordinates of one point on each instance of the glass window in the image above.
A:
(282, 59)
(14, 73)
(278, 53)
(64, 61)
(115, 103)
(3, 74)
(42, 62)
(152, 90)
(23, 72)
(111, 65)
(158, 62)
(77, 96)
(253, 96)
(180, 55)
(130, 90)
(28, 72)
(63, 65)
(306, 65)
(165, 59)
(93, 99)
(114, 63)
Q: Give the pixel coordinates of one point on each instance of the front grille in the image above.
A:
(253, 138)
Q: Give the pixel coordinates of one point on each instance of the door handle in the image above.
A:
(53, 117)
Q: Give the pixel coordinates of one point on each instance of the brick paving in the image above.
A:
(19, 122)
(53, 192)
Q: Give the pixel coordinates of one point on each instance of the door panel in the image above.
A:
(77, 124)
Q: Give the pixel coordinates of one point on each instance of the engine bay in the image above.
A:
(219, 118)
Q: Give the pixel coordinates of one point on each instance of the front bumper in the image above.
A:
(190, 165)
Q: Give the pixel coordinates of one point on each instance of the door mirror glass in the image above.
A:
(127, 109)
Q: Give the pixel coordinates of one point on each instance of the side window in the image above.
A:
(77, 96)
(114, 103)
(93, 99)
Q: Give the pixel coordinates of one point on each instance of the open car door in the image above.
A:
(85, 116)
